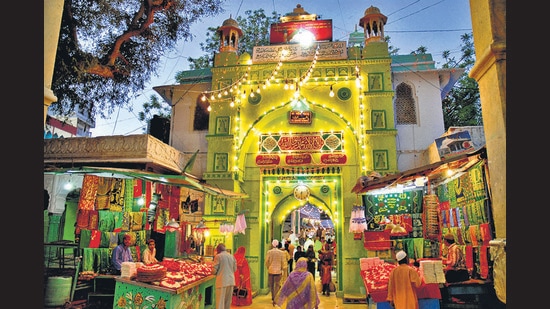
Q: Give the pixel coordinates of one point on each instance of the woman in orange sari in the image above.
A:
(242, 278)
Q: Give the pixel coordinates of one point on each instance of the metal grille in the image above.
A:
(405, 107)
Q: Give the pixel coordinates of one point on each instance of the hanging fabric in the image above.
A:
(226, 227)
(240, 224)
(358, 222)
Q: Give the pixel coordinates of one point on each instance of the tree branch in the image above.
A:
(148, 9)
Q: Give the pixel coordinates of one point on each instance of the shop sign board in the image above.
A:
(454, 144)
(284, 32)
(296, 52)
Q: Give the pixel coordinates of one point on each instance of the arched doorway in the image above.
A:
(314, 223)
(285, 191)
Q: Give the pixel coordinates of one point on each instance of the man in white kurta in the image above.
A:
(224, 268)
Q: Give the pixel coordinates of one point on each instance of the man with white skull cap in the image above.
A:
(404, 280)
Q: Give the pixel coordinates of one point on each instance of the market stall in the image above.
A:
(170, 284)
(134, 294)
(411, 211)
(376, 273)
(113, 203)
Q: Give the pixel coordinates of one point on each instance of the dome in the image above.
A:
(230, 22)
(372, 10)
(245, 58)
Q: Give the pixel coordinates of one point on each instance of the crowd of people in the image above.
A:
(292, 265)
(294, 287)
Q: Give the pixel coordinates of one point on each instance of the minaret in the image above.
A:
(373, 24)
(229, 34)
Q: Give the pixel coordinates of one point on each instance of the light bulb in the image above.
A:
(68, 186)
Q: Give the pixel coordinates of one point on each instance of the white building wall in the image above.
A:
(414, 140)
(182, 135)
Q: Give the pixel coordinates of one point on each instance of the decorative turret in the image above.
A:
(373, 24)
(298, 14)
(229, 34)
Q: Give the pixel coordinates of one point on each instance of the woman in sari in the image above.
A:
(298, 291)
(242, 278)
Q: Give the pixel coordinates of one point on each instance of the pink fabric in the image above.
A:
(240, 224)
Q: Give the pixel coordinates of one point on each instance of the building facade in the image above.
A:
(294, 125)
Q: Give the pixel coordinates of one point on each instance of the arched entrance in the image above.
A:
(285, 194)
(309, 222)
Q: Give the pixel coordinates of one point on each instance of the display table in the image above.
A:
(430, 290)
(428, 295)
(55, 251)
(134, 294)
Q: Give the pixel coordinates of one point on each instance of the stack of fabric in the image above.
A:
(128, 270)
(432, 271)
(150, 273)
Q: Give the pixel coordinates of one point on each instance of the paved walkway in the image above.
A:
(264, 302)
(327, 302)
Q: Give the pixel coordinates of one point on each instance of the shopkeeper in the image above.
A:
(122, 253)
(455, 263)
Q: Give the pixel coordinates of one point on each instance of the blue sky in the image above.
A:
(435, 24)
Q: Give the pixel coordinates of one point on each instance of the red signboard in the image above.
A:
(322, 29)
(270, 159)
(298, 159)
(334, 158)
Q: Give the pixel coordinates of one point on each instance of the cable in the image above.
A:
(427, 7)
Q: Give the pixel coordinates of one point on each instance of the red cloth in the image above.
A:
(164, 199)
(138, 188)
(326, 278)
(377, 240)
(95, 239)
(429, 290)
(242, 278)
(88, 192)
(469, 257)
(174, 202)
(83, 219)
(485, 230)
(483, 262)
(380, 291)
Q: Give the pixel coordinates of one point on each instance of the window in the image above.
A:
(405, 106)
(200, 121)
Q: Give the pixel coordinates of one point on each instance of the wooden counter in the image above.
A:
(134, 294)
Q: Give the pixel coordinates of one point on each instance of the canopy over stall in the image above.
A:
(184, 180)
(434, 172)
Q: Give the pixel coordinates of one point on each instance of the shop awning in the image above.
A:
(432, 171)
(185, 180)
